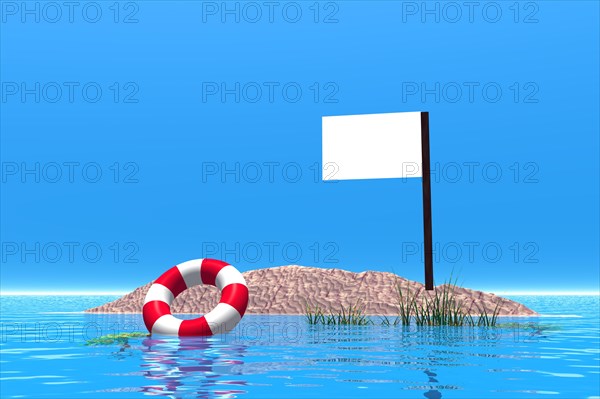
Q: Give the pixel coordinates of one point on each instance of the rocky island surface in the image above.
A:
(288, 289)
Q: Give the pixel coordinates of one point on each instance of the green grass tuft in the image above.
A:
(353, 315)
(441, 308)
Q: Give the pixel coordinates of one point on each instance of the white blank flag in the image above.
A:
(372, 146)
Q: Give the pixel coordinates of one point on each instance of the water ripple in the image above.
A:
(344, 362)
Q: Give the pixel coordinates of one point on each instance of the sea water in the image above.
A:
(43, 354)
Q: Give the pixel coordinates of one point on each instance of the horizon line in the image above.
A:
(61, 293)
(95, 293)
(548, 293)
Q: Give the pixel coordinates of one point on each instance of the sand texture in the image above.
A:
(287, 290)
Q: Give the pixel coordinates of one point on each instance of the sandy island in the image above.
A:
(287, 290)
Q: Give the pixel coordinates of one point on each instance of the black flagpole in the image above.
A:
(427, 234)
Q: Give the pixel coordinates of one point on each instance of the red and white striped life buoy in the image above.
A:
(223, 318)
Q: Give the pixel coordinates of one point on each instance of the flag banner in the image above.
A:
(372, 146)
(382, 146)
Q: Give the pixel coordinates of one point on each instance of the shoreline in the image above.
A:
(303, 315)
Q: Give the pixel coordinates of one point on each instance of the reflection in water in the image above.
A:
(192, 366)
(282, 356)
(448, 337)
(432, 393)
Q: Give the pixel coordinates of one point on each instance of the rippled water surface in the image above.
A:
(43, 354)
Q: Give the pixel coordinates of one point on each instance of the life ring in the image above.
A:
(224, 317)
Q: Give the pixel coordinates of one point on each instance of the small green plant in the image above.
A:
(120, 339)
(529, 326)
(352, 315)
(485, 319)
(314, 315)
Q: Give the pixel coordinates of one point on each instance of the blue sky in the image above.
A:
(206, 137)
